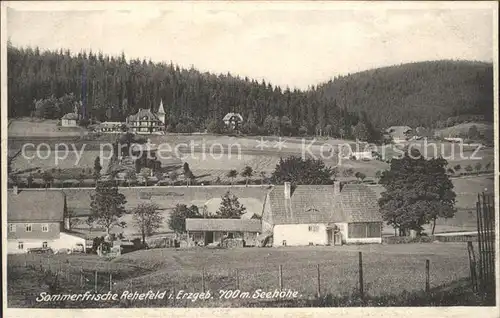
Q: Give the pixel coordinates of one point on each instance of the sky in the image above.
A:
(287, 45)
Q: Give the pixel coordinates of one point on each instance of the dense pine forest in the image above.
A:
(426, 93)
(111, 88)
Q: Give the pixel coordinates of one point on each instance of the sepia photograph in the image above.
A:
(250, 155)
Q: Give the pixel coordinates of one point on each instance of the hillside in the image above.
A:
(418, 93)
(111, 88)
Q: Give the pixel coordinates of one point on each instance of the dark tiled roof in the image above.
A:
(143, 113)
(229, 225)
(35, 205)
(359, 204)
(318, 204)
(71, 116)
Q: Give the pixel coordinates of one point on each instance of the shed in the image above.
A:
(207, 231)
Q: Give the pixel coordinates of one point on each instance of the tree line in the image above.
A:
(112, 88)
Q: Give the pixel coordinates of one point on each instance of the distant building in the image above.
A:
(399, 134)
(69, 120)
(362, 155)
(322, 215)
(161, 114)
(233, 120)
(147, 122)
(111, 127)
(35, 219)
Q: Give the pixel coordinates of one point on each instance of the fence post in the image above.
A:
(361, 289)
(280, 276)
(203, 280)
(319, 283)
(472, 265)
(95, 282)
(237, 279)
(110, 282)
(427, 278)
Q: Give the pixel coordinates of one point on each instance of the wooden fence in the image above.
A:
(486, 243)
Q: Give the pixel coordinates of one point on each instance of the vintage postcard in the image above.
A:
(218, 158)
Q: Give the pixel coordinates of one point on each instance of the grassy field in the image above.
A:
(388, 269)
(29, 127)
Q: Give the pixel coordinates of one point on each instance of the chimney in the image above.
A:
(287, 191)
(336, 187)
(15, 189)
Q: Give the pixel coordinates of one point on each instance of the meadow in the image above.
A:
(388, 269)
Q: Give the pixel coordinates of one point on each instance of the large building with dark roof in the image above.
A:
(35, 219)
(322, 215)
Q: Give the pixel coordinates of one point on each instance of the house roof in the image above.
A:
(35, 205)
(232, 115)
(143, 112)
(161, 109)
(359, 203)
(398, 131)
(229, 225)
(71, 116)
(318, 204)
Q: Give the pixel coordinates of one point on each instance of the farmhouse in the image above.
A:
(207, 231)
(147, 122)
(233, 120)
(69, 120)
(322, 215)
(36, 220)
(399, 134)
(362, 155)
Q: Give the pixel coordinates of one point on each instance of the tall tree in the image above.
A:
(97, 168)
(107, 205)
(181, 212)
(417, 192)
(247, 173)
(299, 171)
(230, 207)
(147, 219)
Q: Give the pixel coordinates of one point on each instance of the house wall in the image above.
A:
(54, 229)
(299, 235)
(68, 122)
(63, 241)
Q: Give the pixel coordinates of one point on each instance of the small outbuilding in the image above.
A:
(208, 231)
(233, 120)
(69, 120)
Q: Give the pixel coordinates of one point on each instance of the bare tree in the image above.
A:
(147, 219)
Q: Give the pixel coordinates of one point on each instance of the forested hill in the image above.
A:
(111, 88)
(417, 93)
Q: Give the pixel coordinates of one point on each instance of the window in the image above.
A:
(20, 245)
(364, 230)
(313, 228)
(12, 227)
(230, 235)
(44, 245)
(28, 227)
(45, 227)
